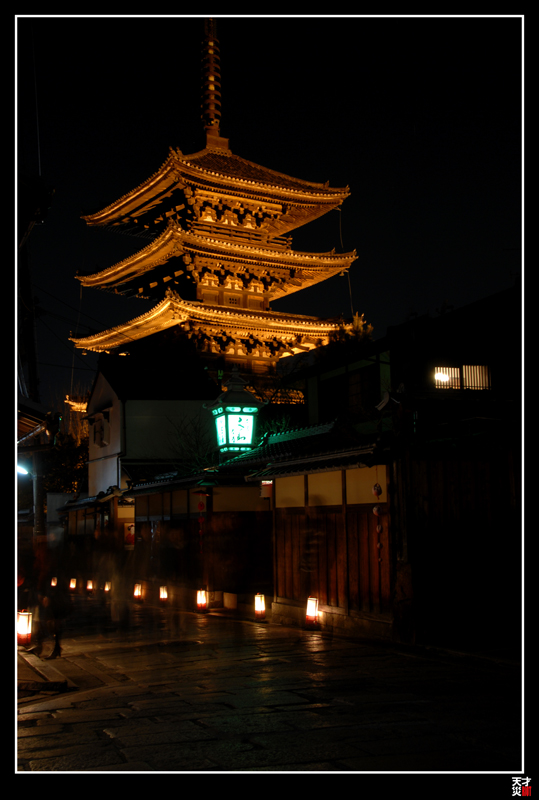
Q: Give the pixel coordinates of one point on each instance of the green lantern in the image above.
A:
(234, 413)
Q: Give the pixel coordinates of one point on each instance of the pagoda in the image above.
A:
(219, 250)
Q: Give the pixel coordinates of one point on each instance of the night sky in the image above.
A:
(420, 117)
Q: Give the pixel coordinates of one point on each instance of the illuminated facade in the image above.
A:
(218, 250)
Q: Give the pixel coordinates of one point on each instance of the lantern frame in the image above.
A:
(137, 592)
(234, 413)
(202, 600)
(311, 615)
(260, 607)
(24, 627)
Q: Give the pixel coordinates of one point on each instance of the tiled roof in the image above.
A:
(315, 448)
(232, 166)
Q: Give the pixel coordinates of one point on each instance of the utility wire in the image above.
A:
(74, 349)
(37, 110)
(348, 271)
(59, 339)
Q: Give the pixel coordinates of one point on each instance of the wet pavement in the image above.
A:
(185, 692)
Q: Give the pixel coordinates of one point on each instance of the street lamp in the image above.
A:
(234, 413)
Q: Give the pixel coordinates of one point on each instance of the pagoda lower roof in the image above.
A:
(239, 256)
(173, 310)
(223, 171)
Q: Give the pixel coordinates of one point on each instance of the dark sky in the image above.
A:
(419, 116)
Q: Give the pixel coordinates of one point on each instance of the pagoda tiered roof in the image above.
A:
(218, 249)
(301, 332)
(198, 250)
(216, 172)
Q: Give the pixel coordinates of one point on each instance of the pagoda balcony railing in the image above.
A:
(242, 234)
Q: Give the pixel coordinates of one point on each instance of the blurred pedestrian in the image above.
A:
(56, 603)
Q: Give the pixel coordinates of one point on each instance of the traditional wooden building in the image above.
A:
(436, 407)
(218, 250)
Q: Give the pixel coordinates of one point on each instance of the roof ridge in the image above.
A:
(188, 159)
(299, 433)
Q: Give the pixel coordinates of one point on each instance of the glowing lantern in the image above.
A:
(24, 627)
(260, 606)
(73, 584)
(108, 586)
(312, 611)
(163, 594)
(137, 594)
(202, 601)
(89, 587)
(234, 413)
(54, 581)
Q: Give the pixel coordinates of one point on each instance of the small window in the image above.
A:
(465, 377)
(447, 377)
(475, 377)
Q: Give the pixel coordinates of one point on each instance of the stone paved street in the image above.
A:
(185, 692)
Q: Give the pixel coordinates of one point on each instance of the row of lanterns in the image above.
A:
(24, 617)
(260, 604)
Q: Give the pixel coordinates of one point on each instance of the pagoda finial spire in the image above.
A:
(211, 86)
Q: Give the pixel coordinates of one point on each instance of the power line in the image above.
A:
(37, 110)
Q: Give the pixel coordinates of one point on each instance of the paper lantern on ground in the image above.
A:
(202, 600)
(311, 618)
(54, 581)
(163, 594)
(24, 628)
(107, 587)
(73, 584)
(137, 593)
(260, 606)
(90, 587)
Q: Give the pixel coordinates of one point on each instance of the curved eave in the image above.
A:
(165, 178)
(163, 315)
(145, 260)
(173, 311)
(270, 178)
(178, 169)
(173, 241)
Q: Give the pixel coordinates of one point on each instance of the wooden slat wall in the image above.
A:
(459, 518)
(333, 555)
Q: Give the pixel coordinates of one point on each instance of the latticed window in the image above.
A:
(475, 377)
(466, 377)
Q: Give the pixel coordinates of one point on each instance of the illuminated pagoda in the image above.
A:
(218, 250)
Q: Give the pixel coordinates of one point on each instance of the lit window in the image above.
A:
(465, 377)
(475, 377)
(447, 378)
